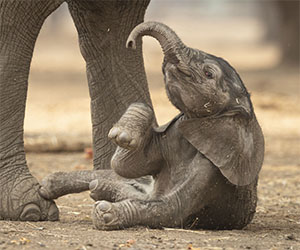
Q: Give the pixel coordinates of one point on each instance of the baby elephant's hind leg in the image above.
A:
(170, 210)
(130, 130)
(62, 183)
(104, 185)
(118, 190)
(138, 152)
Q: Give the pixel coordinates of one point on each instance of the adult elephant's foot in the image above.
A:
(20, 200)
(113, 216)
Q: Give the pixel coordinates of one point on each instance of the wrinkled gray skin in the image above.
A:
(115, 75)
(204, 163)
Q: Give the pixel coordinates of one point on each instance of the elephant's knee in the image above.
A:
(118, 165)
(126, 167)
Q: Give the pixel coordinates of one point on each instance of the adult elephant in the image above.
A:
(115, 75)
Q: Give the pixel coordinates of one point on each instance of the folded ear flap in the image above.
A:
(234, 145)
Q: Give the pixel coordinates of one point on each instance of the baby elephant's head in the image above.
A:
(197, 83)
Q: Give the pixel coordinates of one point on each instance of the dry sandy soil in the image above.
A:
(58, 119)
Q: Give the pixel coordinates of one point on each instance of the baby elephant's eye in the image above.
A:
(208, 74)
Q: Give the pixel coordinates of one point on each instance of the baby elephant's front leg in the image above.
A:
(130, 131)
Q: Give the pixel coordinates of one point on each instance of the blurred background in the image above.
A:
(259, 38)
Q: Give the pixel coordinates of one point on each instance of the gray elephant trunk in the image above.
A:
(171, 44)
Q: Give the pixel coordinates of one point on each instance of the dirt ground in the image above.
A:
(275, 226)
(58, 119)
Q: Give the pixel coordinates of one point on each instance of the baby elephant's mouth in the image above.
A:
(173, 84)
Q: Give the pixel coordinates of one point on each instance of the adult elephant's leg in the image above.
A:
(116, 75)
(116, 79)
(20, 22)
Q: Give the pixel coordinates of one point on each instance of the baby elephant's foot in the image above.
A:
(112, 216)
(125, 138)
(56, 185)
(131, 129)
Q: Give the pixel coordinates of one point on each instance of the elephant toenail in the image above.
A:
(31, 212)
(107, 218)
(93, 185)
(124, 137)
(44, 193)
(53, 213)
(133, 144)
(113, 133)
(104, 206)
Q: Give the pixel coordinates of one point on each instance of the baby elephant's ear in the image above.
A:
(234, 145)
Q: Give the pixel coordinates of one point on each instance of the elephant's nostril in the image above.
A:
(131, 44)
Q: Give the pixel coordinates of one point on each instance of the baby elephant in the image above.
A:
(205, 162)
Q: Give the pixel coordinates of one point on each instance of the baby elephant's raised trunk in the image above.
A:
(171, 44)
